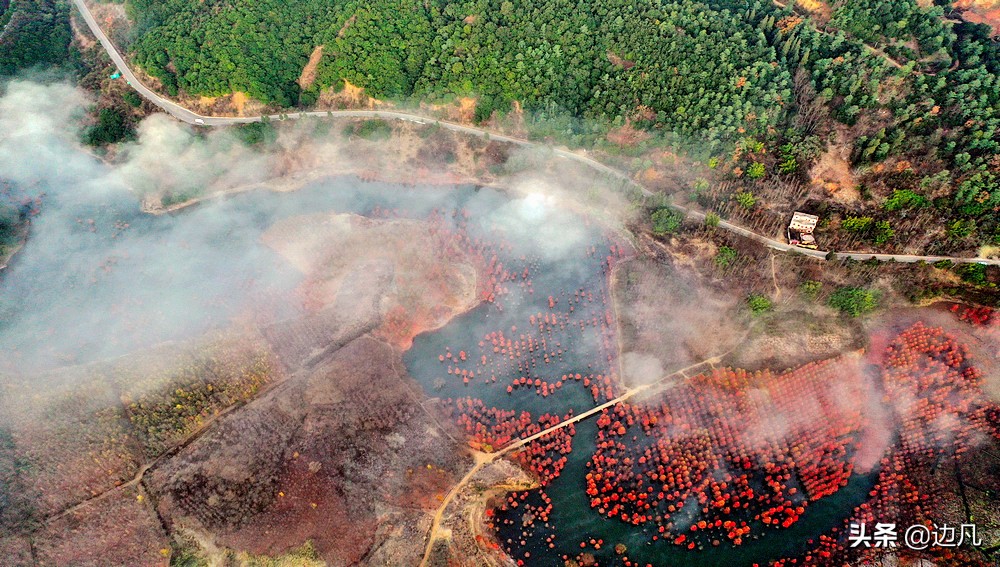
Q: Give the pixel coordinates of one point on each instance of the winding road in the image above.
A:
(185, 115)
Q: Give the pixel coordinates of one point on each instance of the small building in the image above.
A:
(800, 230)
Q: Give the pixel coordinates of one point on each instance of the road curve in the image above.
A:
(185, 115)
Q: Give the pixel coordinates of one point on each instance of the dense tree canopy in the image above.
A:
(902, 27)
(33, 33)
(911, 82)
(699, 69)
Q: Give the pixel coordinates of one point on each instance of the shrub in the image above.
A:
(132, 98)
(170, 199)
(712, 220)
(752, 146)
(904, 199)
(759, 303)
(725, 257)
(878, 232)
(374, 129)
(257, 133)
(666, 221)
(854, 301)
(788, 163)
(756, 171)
(112, 127)
(883, 232)
(700, 185)
(746, 199)
(960, 229)
(810, 289)
(857, 224)
(972, 273)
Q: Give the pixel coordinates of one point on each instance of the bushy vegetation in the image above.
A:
(725, 257)
(972, 273)
(112, 126)
(810, 289)
(375, 129)
(257, 134)
(905, 199)
(666, 221)
(758, 303)
(746, 199)
(878, 231)
(854, 301)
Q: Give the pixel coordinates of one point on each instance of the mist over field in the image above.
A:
(99, 277)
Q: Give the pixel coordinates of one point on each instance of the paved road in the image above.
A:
(190, 117)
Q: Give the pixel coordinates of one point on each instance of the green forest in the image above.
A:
(910, 82)
(33, 33)
(700, 69)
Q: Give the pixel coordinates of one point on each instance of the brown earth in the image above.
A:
(233, 104)
(321, 458)
(627, 135)
(461, 110)
(831, 176)
(348, 97)
(618, 61)
(308, 76)
(817, 8)
(981, 12)
(120, 530)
